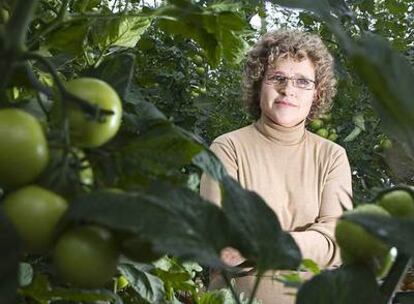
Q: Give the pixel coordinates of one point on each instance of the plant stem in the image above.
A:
(228, 283)
(19, 23)
(256, 286)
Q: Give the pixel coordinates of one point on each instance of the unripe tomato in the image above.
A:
(398, 203)
(385, 144)
(323, 132)
(35, 211)
(86, 256)
(316, 124)
(200, 71)
(356, 243)
(121, 282)
(333, 136)
(4, 16)
(24, 153)
(198, 59)
(85, 131)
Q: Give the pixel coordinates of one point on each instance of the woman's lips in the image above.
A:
(285, 103)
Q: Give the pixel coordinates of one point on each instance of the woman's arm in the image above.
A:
(317, 242)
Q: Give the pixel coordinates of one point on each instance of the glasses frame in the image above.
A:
(286, 80)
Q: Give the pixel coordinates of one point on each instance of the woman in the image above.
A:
(304, 178)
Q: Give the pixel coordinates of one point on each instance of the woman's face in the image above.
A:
(287, 91)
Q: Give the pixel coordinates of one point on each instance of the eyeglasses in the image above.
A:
(282, 80)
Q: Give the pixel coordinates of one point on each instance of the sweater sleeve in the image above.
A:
(317, 242)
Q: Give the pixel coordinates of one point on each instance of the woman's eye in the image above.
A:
(303, 81)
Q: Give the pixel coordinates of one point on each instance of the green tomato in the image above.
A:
(24, 152)
(197, 59)
(35, 211)
(316, 124)
(385, 144)
(326, 117)
(122, 282)
(200, 71)
(85, 131)
(333, 136)
(4, 16)
(399, 203)
(323, 133)
(355, 242)
(86, 256)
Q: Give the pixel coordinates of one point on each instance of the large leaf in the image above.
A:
(389, 76)
(216, 28)
(350, 284)
(11, 250)
(174, 220)
(124, 31)
(258, 233)
(148, 286)
(150, 147)
(69, 39)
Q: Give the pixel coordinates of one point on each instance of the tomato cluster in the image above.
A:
(323, 127)
(358, 245)
(84, 256)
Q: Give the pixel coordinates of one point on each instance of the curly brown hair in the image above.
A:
(297, 45)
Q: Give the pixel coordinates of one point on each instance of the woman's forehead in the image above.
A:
(293, 66)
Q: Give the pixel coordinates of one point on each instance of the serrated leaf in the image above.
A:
(350, 284)
(124, 31)
(148, 286)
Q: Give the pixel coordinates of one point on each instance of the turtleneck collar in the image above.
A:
(286, 136)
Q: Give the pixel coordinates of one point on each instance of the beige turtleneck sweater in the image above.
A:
(303, 177)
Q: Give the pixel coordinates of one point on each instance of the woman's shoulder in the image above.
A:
(324, 145)
(235, 136)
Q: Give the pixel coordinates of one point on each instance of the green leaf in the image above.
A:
(262, 242)
(216, 28)
(43, 293)
(350, 284)
(116, 70)
(124, 31)
(192, 228)
(395, 232)
(354, 134)
(148, 286)
(12, 247)
(390, 77)
(25, 274)
(69, 39)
